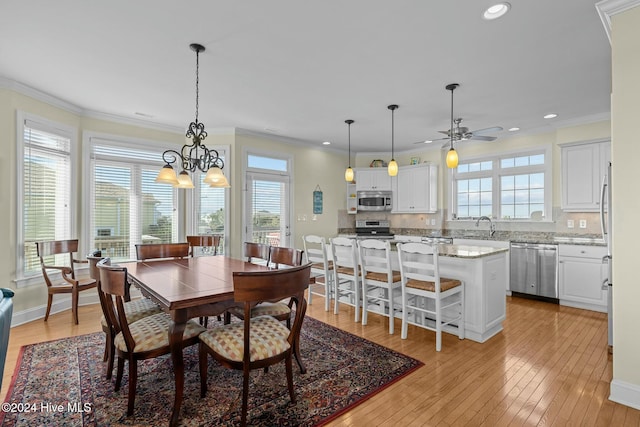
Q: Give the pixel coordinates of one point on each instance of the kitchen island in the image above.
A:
(485, 273)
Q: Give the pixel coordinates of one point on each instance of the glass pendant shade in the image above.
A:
(452, 159)
(213, 175)
(167, 176)
(184, 180)
(348, 174)
(392, 169)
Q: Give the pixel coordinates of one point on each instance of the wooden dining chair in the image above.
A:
(143, 339)
(257, 342)
(134, 310)
(257, 253)
(428, 300)
(209, 242)
(145, 251)
(69, 284)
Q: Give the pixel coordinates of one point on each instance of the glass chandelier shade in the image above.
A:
(392, 169)
(348, 174)
(194, 155)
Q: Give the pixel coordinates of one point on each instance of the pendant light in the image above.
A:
(348, 174)
(393, 165)
(452, 155)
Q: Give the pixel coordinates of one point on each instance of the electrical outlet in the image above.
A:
(583, 223)
(569, 223)
(433, 221)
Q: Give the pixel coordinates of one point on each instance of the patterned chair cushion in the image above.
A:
(263, 309)
(268, 338)
(136, 310)
(152, 332)
(445, 284)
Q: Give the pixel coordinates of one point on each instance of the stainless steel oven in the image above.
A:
(374, 200)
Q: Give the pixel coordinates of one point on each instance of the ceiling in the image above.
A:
(299, 69)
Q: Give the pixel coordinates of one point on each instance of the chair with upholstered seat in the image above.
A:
(256, 253)
(145, 251)
(134, 310)
(208, 244)
(429, 300)
(346, 274)
(70, 284)
(143, 339)
(257, 342)
(315, 250)
(380, 284)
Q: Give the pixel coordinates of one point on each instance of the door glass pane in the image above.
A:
(268, 211)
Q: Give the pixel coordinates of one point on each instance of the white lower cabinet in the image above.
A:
(581, 273)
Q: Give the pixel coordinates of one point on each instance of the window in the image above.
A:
(514, 186)
(45, 198)
(210, 215)
(126, 205)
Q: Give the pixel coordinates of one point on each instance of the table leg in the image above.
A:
(175, 342)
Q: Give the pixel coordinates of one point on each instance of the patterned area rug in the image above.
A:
(62, 383)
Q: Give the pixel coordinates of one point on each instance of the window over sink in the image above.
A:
(512, 186)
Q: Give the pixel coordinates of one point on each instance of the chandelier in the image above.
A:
(194, 155)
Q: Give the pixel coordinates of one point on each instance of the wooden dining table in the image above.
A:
(188, 288)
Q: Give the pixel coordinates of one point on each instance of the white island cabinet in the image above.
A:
(484, 271)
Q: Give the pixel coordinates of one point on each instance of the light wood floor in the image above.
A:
(550, 366)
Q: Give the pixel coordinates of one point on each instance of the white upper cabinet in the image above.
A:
(373, 179)
(584, 166)
(415, 189)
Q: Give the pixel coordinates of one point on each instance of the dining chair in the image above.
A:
(428, 300)
(143, 339)
(134, 310)
(346, 274)
(315, 250)
(69, 284)
(380, 284)
(206, 243)
(145, 251)
(256, 253)
(262, 341)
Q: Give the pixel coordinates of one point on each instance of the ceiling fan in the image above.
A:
(462, 133)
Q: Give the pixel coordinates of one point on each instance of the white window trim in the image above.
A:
(246, 151)
(52, 127)
(498, 172)
(190, 219)
(88, 137)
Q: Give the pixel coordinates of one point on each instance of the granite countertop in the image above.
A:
(466, 251)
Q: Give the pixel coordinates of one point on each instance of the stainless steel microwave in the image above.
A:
(374, 200)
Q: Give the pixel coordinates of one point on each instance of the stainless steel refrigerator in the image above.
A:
(606, 224)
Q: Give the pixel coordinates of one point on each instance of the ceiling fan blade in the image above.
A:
(482, 137)
(446, 132)
(487, 130)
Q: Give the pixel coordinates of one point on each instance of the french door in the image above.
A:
(267, 209)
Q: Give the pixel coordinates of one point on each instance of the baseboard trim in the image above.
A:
(60, 303)
(625, 393)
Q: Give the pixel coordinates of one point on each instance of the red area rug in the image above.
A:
(62, 383)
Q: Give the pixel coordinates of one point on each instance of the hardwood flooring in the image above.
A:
(549, 367)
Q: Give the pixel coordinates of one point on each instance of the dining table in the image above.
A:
(188, 288)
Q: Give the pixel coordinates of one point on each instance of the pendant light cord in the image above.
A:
(348, 122)
(197, 82)
(451, 129)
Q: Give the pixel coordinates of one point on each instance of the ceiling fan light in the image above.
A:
(392, 169)
(452, 158)
(348, 174)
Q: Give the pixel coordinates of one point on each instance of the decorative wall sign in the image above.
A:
(317, 200)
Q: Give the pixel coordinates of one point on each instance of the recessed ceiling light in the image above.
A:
(326, 143)
(496, 11)
(513, 129)
(428, 141)
(551, 116)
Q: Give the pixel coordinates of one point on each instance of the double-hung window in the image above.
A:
(46, 202)
(125, 204)
(513, 186)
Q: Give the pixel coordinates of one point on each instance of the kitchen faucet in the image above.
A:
(492, 227)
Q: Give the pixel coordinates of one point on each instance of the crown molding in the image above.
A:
(608, 8)
(40, 95)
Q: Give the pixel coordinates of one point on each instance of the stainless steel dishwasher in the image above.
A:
(534, 269)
